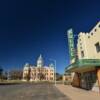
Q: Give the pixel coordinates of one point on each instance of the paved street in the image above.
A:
(77, 93)
(31, 92)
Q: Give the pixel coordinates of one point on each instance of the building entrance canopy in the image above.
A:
(83, 63)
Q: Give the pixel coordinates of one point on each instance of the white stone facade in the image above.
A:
(39, 72)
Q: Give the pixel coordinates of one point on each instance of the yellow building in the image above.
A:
(86, 67)
(88, 45)
(39, 72)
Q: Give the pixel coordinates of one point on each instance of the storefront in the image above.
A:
(86, 74)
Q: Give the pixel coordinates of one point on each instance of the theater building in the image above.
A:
(86, 66)
(38, 72)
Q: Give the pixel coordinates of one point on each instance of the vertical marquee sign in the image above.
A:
(71, 45)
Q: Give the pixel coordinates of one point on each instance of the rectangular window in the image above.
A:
(80, 47)
(97, 45)
(82, 54)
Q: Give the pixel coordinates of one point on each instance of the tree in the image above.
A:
(5, 75)
(15, 74)
(27, 76)
(41, 76)
(1, 73)
(58, 77)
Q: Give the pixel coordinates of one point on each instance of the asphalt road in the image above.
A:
(31, 91)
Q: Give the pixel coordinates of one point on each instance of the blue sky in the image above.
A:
(29, 28)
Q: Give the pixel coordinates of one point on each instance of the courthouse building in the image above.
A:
(86, 66)
(38, 72)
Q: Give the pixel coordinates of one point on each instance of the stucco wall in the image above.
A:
(86, 43)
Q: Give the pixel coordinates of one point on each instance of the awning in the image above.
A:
(86, 63)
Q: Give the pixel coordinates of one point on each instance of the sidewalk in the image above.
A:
(77, 93)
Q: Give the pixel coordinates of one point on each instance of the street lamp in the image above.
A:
(55, 69)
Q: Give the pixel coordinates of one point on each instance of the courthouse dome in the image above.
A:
(40, 61)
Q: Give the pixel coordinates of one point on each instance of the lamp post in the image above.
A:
(54, 69)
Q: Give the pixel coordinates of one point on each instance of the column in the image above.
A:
(76, 80)
(98, 77)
